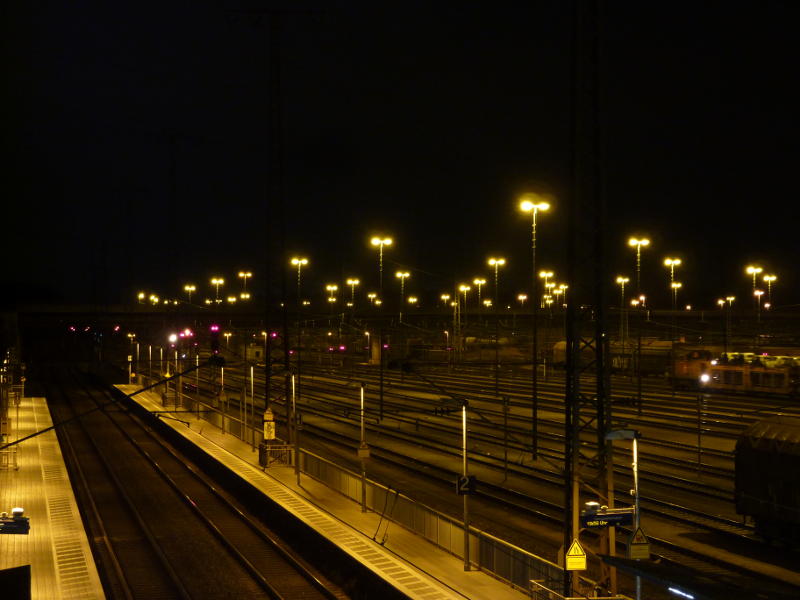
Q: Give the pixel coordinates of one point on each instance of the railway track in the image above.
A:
(163, 529)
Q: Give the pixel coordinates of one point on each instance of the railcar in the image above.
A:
(767, 483)
(654, 356)
(735, 373)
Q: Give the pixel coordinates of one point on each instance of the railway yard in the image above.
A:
(165, 524)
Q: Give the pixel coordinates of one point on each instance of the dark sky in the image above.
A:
(422, 120)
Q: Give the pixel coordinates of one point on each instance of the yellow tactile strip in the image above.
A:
(75, 568)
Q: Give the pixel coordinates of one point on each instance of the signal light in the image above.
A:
(214, 339)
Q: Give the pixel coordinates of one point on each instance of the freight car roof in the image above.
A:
(779, 433)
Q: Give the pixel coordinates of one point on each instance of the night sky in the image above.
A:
(136, 143)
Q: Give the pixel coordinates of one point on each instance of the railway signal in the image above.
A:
(214, 329)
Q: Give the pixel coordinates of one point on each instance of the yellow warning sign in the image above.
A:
(638, 546)
(638, 537)
(576, 557)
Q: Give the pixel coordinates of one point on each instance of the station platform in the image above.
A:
(36, 479)
(405, 560)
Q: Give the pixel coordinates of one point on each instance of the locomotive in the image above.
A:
(737, 372)
(700, 368)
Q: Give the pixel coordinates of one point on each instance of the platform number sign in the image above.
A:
(466, 485)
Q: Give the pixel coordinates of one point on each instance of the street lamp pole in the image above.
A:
(479, 282)
(675, 285)
(758, 294)
(456, 324)
(189, 288)
(768, 279)
(381, 242)
(216, 282)
(672, 263)
(638, 243)
(533, 204)
(402, 275)
(353, 282)
(622, 281)
(753, 270)
(728, 331)
(464, 288)
(299, 262)
(496, 263)
(245, 275)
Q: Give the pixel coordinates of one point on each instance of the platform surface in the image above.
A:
(62, 566)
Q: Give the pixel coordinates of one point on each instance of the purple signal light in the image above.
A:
(342, 348)
(72, 327)
(215, 328)
(386, 346)
(116, 327)
(274, 334)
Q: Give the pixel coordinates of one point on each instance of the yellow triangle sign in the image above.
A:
(575, 558)
(639, 537)
(575, 549)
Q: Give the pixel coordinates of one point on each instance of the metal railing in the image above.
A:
(541, 592)
(498, 558)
